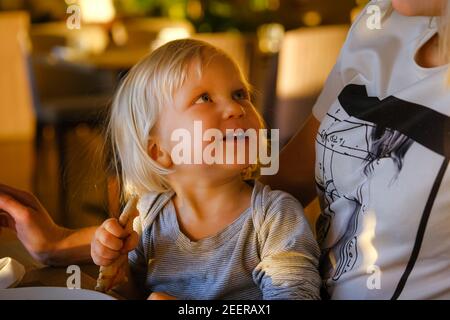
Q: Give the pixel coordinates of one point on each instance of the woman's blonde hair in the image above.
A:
(143, 93)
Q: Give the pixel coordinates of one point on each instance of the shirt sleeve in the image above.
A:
(289, 253)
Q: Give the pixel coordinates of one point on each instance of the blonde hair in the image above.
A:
(144, 92)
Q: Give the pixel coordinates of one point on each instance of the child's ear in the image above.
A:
(158, 154)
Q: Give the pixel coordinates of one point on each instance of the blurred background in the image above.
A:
(61, 61)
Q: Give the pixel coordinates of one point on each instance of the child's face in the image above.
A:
(217, 99)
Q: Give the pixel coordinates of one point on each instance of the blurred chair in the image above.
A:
(306, 58)
(45, 37)
(142, 32)
(238, 46)
(64, 97)
(37, 91)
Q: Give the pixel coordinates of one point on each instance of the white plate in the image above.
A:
(51, 293)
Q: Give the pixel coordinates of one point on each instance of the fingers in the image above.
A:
(103, 256)
(13, 207)
(108, 240)
(106, 245)
(23, 197)
(113, 227)
(131, 242)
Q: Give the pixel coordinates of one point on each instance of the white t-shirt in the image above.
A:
(382, 166)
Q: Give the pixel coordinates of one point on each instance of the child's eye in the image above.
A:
(241, 94)
(204, 98)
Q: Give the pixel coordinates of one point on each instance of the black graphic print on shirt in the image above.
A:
(387, 128)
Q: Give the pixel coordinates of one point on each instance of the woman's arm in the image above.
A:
(46, 241)
(73, 247)
(296, 174)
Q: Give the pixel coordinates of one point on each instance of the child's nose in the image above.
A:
(233, 110)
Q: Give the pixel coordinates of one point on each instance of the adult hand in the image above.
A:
(23, 213)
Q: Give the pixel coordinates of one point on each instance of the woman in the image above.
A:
(381, 159)
(378, 135)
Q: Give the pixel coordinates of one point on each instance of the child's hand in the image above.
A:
(111, 241)
(160, 296)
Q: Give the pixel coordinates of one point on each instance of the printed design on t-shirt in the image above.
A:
(336, 144)
(347, 252)
(366, 130)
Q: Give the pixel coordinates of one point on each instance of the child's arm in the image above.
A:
(289, 253)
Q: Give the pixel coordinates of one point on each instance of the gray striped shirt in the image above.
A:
(269, 252)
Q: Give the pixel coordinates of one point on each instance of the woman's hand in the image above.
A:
(110, 241)
(23, 213)
(160, 296)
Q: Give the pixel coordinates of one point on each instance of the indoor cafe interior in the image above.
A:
(61, 61)
(57, 76)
